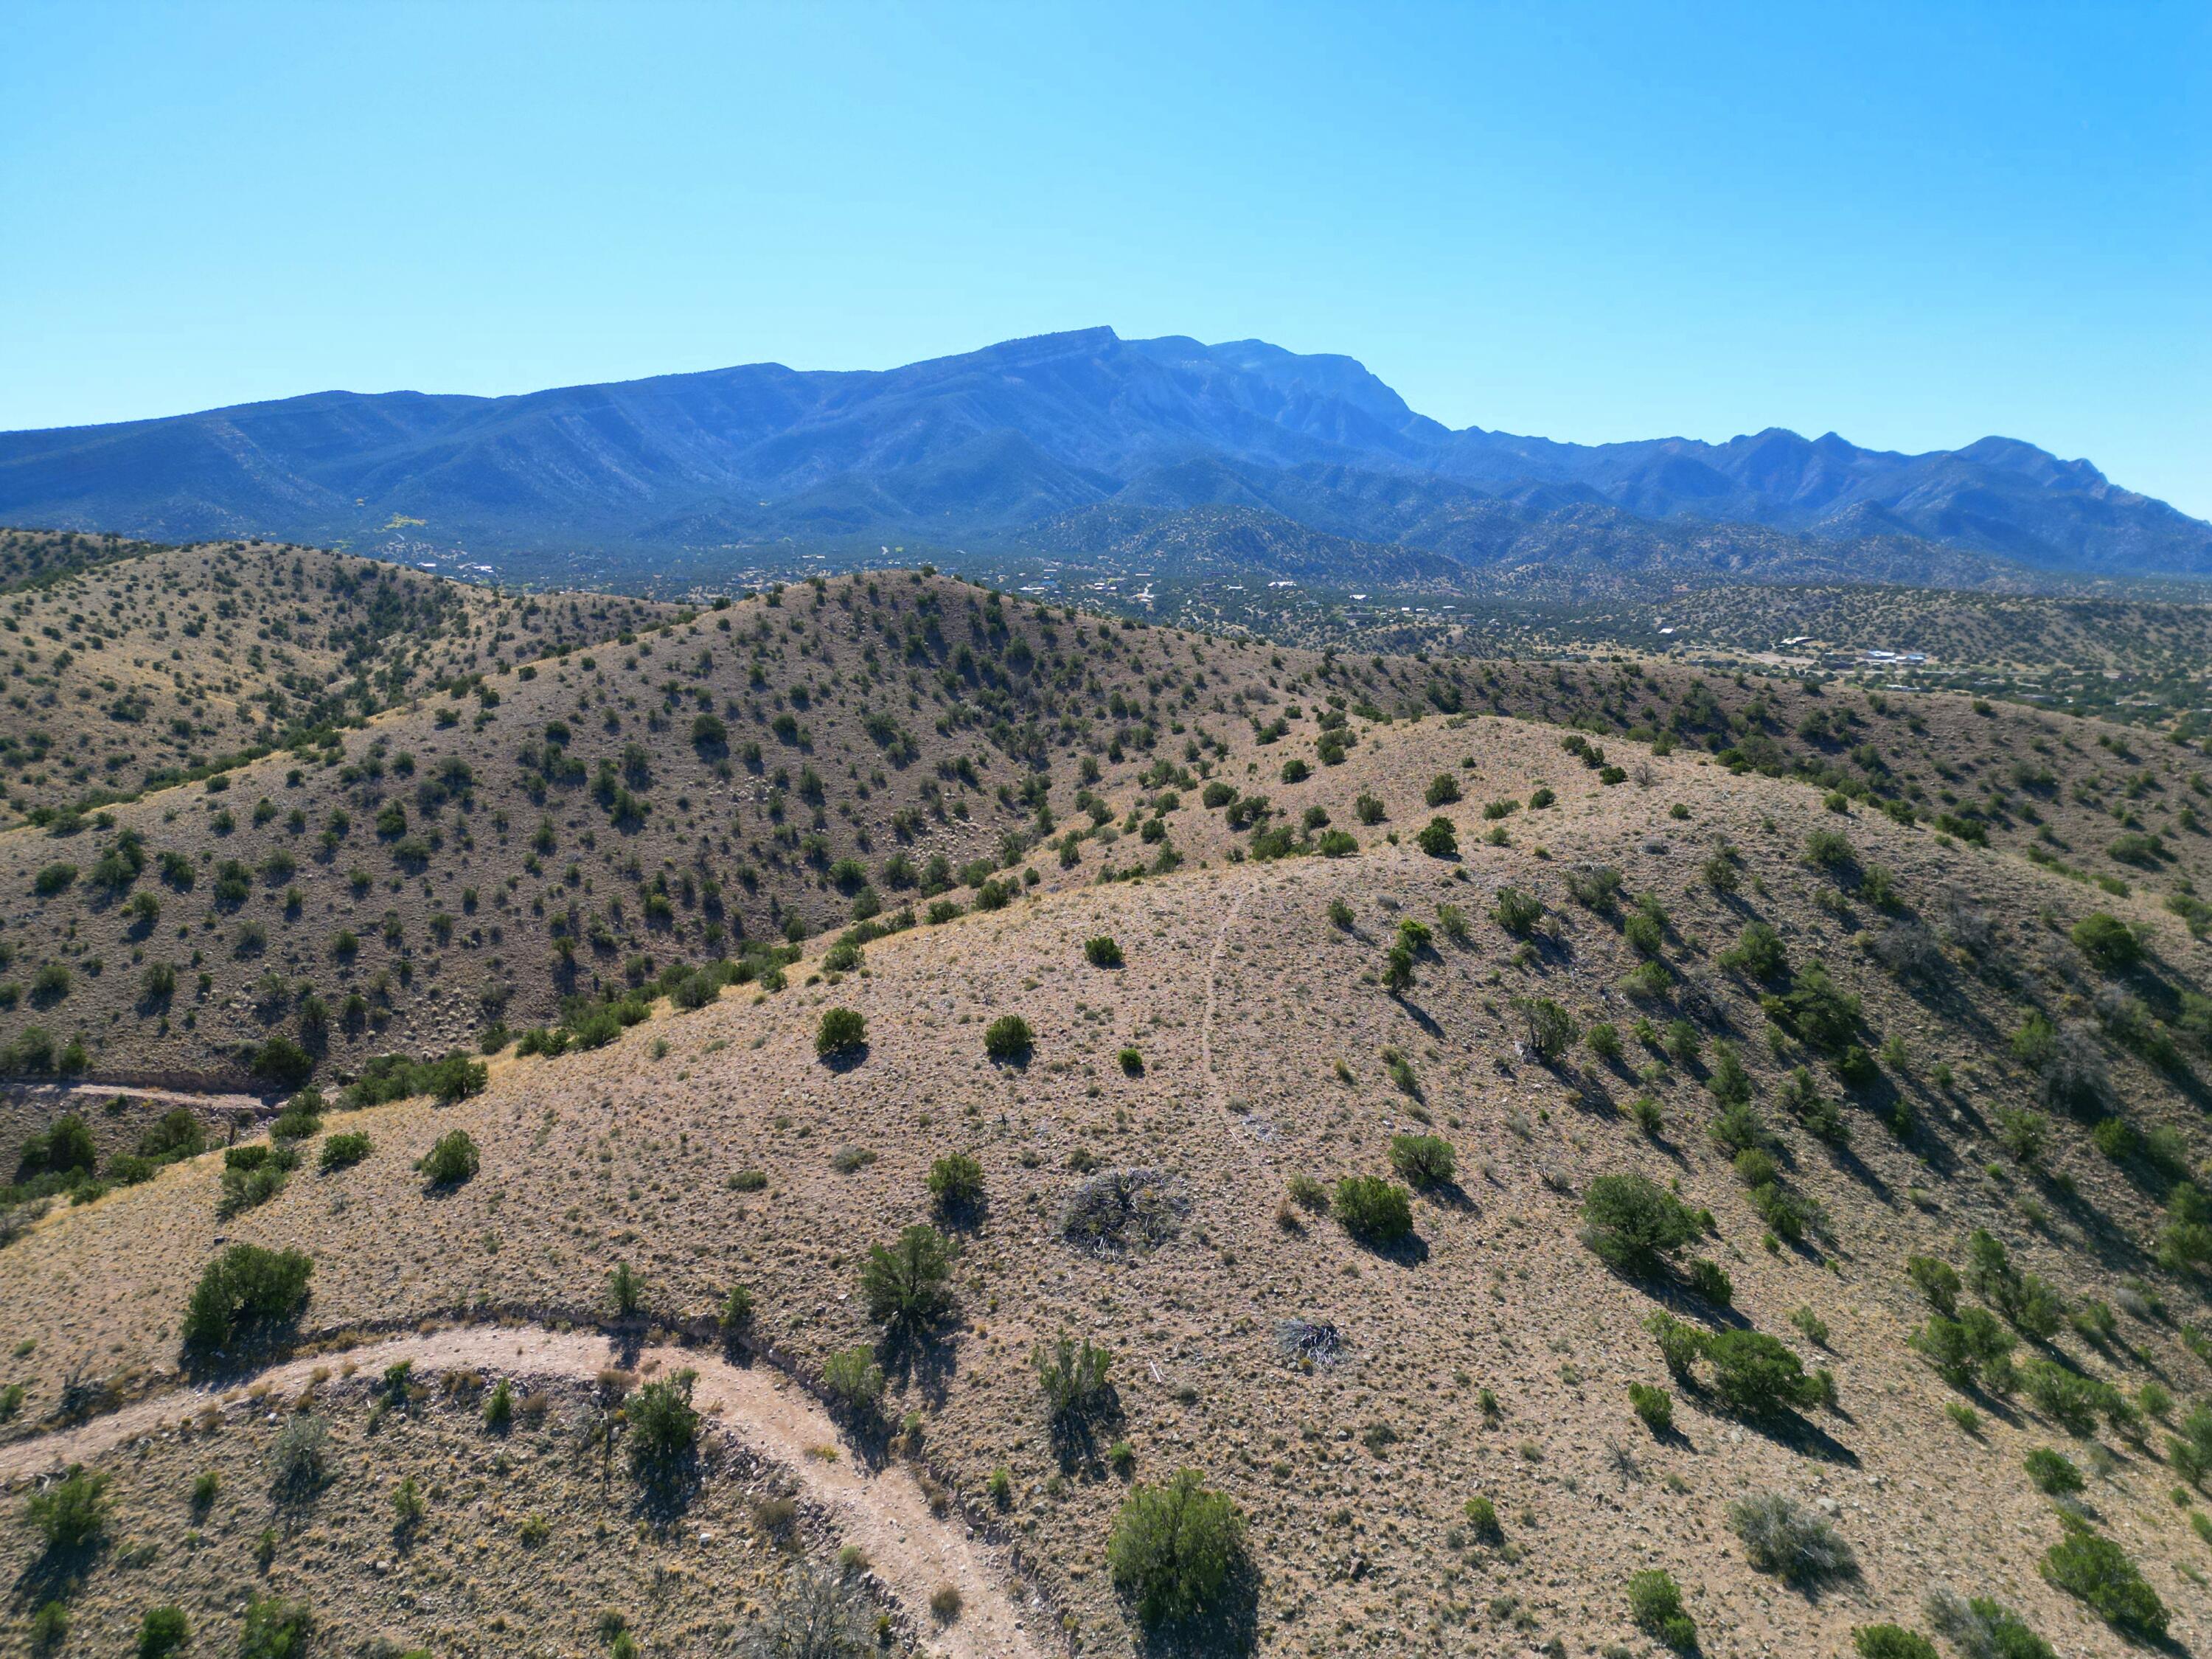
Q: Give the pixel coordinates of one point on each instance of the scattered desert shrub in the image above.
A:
(956, 1183)
(1173, 1549)
(737, 1310)
(1655, 1406)
(664, 1428)
(1595, 887)
(1634, 1224)
(299, 1460)
(1518, 912)
(71, 1514)
(2051, 1473)
(1974, 1350)
(1372, 1210)
(1710, 1280)
(1828, 849)
(275, 1629)
(162, 1632)
(1102, 952)
(1982, 1629)
(1551, 1028)
(2092, 1567)
(814, 1613)
(908, 1284)
(1790, 1539)
(842, 1033)
(1074, 1378)
(1757, 953)
(1438, 838)
(453, 1160)
(1008, 1038)
(1936, 1280)
(1891, 1641)
(1655, 1607)
(1423, 1160)
(1482, 1521)
(2109, 943)
(342, 1152)
(1756, 1375)
(243, 1291)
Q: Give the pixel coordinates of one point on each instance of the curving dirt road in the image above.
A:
(911, 1549)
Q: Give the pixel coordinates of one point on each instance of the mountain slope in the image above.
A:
(992, 441)
(1256, 1042)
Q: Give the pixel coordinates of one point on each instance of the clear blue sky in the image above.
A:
(1913, 226)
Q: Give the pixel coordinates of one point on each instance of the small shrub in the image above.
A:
(299, 1460)
(625, 1290)
(453, 1160)
(842, 1033)
(1074, 1378)
(2109, 943)
(1518, 912)
(1709, 1280)
(2098, 1571)
(1655, 1406)
(244, 1289)
(1174, 1548)
(1757, 954)
(1756, 1375)
(664, 1428)
(1982, 1629)
(737, 1310)
(956, 1183)
(1102, 952)
(275, 1629)
(1936, 1280)
(71, 1514)
(1373, 1210)
(162, 1632)
(907, 1284)
(1550, 1027)
(1423, 1160)
(1655, 1607)
(343, 1151)
(1634, 1224)
(1438, 838)
(2051, 1473)
(1790, 1539)
(1828, 849)
(1482, 1521)
(1008, 1038)
(853, 1378)
(1891, 1641)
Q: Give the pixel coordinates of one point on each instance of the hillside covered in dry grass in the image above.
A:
(1505, 1163)
(533, 840)
(130, 666)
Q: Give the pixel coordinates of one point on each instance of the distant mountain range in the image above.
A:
(1074, 441)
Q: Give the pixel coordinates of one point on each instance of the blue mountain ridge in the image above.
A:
(1030, 431)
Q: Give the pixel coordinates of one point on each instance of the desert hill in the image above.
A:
(130, 666)
(1843, 1040)
(540, 837)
